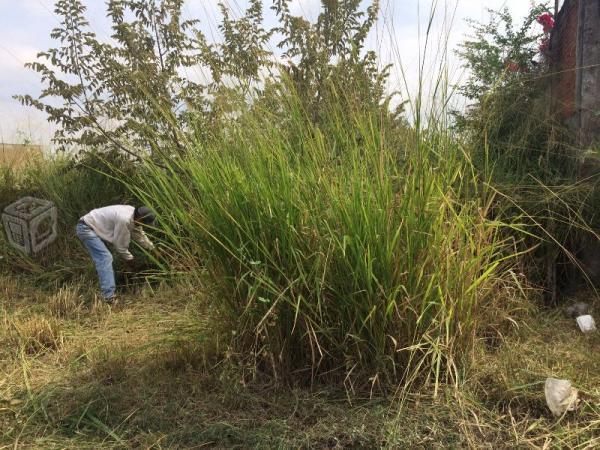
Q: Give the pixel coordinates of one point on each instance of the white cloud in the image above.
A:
(31, 7)
(13, 57)
(19, 123)
(306, 8)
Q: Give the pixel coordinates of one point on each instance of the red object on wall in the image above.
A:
(547, 21)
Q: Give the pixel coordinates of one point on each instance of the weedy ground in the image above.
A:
(152, 373)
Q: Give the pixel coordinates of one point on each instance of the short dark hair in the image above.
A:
(144, 214)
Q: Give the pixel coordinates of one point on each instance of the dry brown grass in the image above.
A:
(150, 374)
(506, 391)
(65, 303)
(35, 334)
(108, 363)
(8, 287)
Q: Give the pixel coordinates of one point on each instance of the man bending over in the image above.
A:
(116, 224)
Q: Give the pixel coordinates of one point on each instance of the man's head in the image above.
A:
(142, 215)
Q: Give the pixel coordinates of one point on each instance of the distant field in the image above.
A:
(17, 155)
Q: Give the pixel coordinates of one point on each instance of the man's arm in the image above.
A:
(140, 237)
(122, 239)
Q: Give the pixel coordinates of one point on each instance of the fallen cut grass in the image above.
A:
(511, 379)
(153, 374)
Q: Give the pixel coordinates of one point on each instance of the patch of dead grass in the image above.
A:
(506, 390)
(65, 303)
(35, 334)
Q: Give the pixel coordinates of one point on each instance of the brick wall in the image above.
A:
(563, 61)
(589, 61)
(575, 64)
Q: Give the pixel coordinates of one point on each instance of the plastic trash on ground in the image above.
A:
(560, 396)
(586, 323)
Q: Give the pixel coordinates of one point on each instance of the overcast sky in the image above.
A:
(25, 27)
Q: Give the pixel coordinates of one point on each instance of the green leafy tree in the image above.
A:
(521, 147)
(510, 116)
(498, 53)
(130, 92)
(244, 59)
(328, 57)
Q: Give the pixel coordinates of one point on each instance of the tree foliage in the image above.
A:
(510, 117)
(139, 90)
(498, 53)
(328, 56)
(126, 91)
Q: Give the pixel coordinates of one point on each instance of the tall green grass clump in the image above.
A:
(335, 254)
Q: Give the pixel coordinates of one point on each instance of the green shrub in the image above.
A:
(332, 259)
